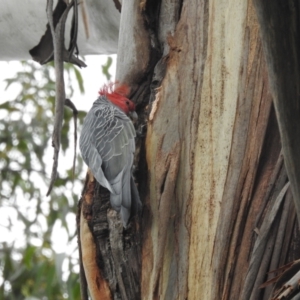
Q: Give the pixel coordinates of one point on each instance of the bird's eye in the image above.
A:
(127, 102)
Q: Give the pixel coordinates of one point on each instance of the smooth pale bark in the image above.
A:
(24, 22)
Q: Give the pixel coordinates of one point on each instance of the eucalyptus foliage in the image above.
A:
(30, 269)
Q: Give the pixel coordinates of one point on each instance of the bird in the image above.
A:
(107, 145)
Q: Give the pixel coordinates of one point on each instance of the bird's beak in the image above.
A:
(133, 115)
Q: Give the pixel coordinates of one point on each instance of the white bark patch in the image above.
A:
(155, 105)
(218, 108)
(134, 44)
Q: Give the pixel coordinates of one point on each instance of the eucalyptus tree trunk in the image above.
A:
(218, 209)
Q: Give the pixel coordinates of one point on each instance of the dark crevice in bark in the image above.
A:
(151, 16)
(180, 8)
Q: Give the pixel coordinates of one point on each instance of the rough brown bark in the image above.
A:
(110, 253)
(90, 273)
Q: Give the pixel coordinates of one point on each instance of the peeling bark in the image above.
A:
(98, 286)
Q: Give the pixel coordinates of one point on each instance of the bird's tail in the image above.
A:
(127, 202)
(136, 206)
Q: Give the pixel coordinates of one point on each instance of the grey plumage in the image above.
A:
(107, 147)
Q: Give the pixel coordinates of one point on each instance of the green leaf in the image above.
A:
(79, 80)
(28, 256)
(25, 135)
(106, 66)
(8, 106)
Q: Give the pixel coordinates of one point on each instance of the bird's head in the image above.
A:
(117, 94)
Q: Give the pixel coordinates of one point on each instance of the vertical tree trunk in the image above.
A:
(218, 212)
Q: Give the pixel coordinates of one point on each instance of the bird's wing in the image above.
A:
(113, 138)
(107, 146)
